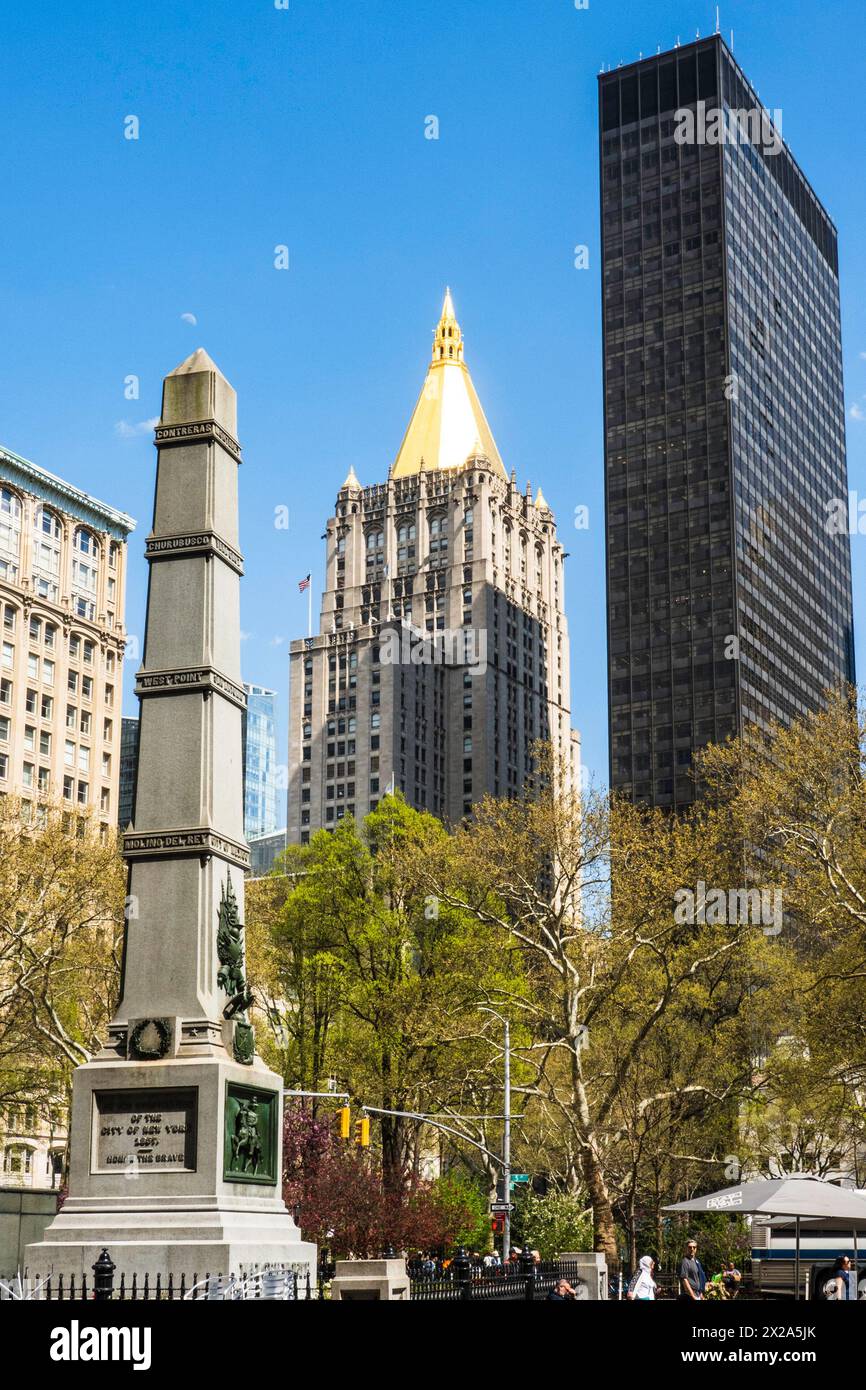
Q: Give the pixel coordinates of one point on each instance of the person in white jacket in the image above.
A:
(642, 1288)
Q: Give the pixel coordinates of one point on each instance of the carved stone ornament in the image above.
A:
(244, 1043)
(149, 1040)
(230, 949)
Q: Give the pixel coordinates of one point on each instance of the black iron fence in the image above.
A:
(524, 1281)
(268, 1282)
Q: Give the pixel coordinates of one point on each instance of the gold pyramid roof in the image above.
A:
(448, 424)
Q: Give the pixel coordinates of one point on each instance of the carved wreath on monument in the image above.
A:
(231, 976)
(149, 1039)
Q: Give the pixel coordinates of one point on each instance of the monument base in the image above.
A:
(188, 1244)
(176, 1168)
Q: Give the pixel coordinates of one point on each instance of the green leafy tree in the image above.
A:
(553, 1224)
(373, 978)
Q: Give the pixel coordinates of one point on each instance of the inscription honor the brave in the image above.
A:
(154, 1128)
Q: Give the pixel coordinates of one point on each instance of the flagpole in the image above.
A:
(310, 607)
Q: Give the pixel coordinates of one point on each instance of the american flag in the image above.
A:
(304, 584)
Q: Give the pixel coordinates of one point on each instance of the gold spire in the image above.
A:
(541, 502)
(448, 425)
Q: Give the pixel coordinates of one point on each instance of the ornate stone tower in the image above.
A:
(442, 654)
(176, 1125)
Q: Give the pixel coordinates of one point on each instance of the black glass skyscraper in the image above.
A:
(728, 589)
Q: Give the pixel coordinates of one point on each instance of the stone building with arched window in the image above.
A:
(62, 583)
(33, 1139)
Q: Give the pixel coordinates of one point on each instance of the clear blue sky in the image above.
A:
(305, 126)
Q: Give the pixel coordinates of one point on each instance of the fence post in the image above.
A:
(462, 1267)
(527, 1268)
(103, 1278)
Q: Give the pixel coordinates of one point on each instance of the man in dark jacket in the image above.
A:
(692, 1277)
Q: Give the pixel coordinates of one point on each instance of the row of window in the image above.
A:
(45, 671)
(48, 533)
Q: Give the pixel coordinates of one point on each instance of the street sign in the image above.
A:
(519, 1177)
(497, 1207)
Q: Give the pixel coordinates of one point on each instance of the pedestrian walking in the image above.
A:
(693, 1279)
(642, 1288)
(838, 1286)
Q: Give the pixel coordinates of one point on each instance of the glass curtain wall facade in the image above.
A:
(260, 762)
(729, 597)
(128, 765)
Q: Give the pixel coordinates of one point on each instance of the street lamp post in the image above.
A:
(506, 1147)
(506, 1136)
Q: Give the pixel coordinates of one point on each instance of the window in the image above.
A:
(105, 800)
(30, 701)
(109, 695)
(18, 1159)
(84, 722)
(85, 573)
(32, 664)
(10, 535)
(9, 618)
(87, 687)
(106, 764)
(82, 793)
(44, 745)
(4, 766)
(5, 692)
(68, 788)
(69, 753)
(29, 738)
(4, 729)
(44, 779)
(107, 730)
(375, 550)
(71, 717)
(8, 655)
(46, 707)
(48, 671)
(27, 775)
(35, 629)
(438, 539)
(83, 759)
(47, 535)
(405, 547)
(88, 653)
(50, 634)
(75, 647)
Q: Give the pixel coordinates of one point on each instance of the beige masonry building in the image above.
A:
(62, 583)
(443, 648)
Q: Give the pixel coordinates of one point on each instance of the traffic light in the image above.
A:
(344, 1115)
(362, 1132)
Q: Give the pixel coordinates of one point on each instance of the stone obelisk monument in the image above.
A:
(176, 1124)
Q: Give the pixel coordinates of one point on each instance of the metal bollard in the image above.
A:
(103, 1277)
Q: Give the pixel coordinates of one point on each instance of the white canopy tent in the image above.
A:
(799, 1198)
